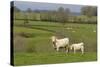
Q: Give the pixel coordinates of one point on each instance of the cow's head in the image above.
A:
(53, 39)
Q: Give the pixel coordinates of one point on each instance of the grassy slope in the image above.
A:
(28, 52)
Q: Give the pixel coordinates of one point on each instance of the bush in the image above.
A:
(26, 35)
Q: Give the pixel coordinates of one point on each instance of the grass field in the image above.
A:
(32, 44)
(51, 58)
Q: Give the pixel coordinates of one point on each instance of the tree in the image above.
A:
(89, 11)
(61, 9)
(27, 15)
(95, 11)
(63, 15)
(29, 10)
(26, 21)
(16, 9)
(67, 13)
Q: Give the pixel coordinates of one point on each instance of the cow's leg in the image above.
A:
(57, 48)
(74, 50)
(82, 50)
(66, 48)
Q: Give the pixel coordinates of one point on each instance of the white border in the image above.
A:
(5, 32)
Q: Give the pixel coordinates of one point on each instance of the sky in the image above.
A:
(46, 6)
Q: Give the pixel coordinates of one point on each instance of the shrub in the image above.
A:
(26, 35)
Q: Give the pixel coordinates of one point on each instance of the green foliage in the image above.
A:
(54, 17)
(89, 11)
(61, 15)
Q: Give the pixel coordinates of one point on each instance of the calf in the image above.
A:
(78, 46)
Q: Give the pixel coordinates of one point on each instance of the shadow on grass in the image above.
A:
(33, 27)
(39, 27)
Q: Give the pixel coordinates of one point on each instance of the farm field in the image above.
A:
(52, 58)
(32, 43)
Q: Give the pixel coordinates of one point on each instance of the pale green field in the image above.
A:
(32, 44)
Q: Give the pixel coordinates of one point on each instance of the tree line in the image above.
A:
(88, 14)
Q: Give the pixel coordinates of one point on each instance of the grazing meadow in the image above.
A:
(32, 42)
(34, 23)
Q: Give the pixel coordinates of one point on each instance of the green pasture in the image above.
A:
(52, 58)
(32, 44)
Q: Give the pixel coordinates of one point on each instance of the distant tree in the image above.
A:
(27, 15)
(63, 15)
(16, 9)
(95, 11)
(29, 10)
(61, 9)
(37, 11)
(67, 13)
(26, 20)
(89, 11)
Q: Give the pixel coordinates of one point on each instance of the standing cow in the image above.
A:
(78, 46)
(57, 43)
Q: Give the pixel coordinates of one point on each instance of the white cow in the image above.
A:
(78, 46)
(57, 43)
